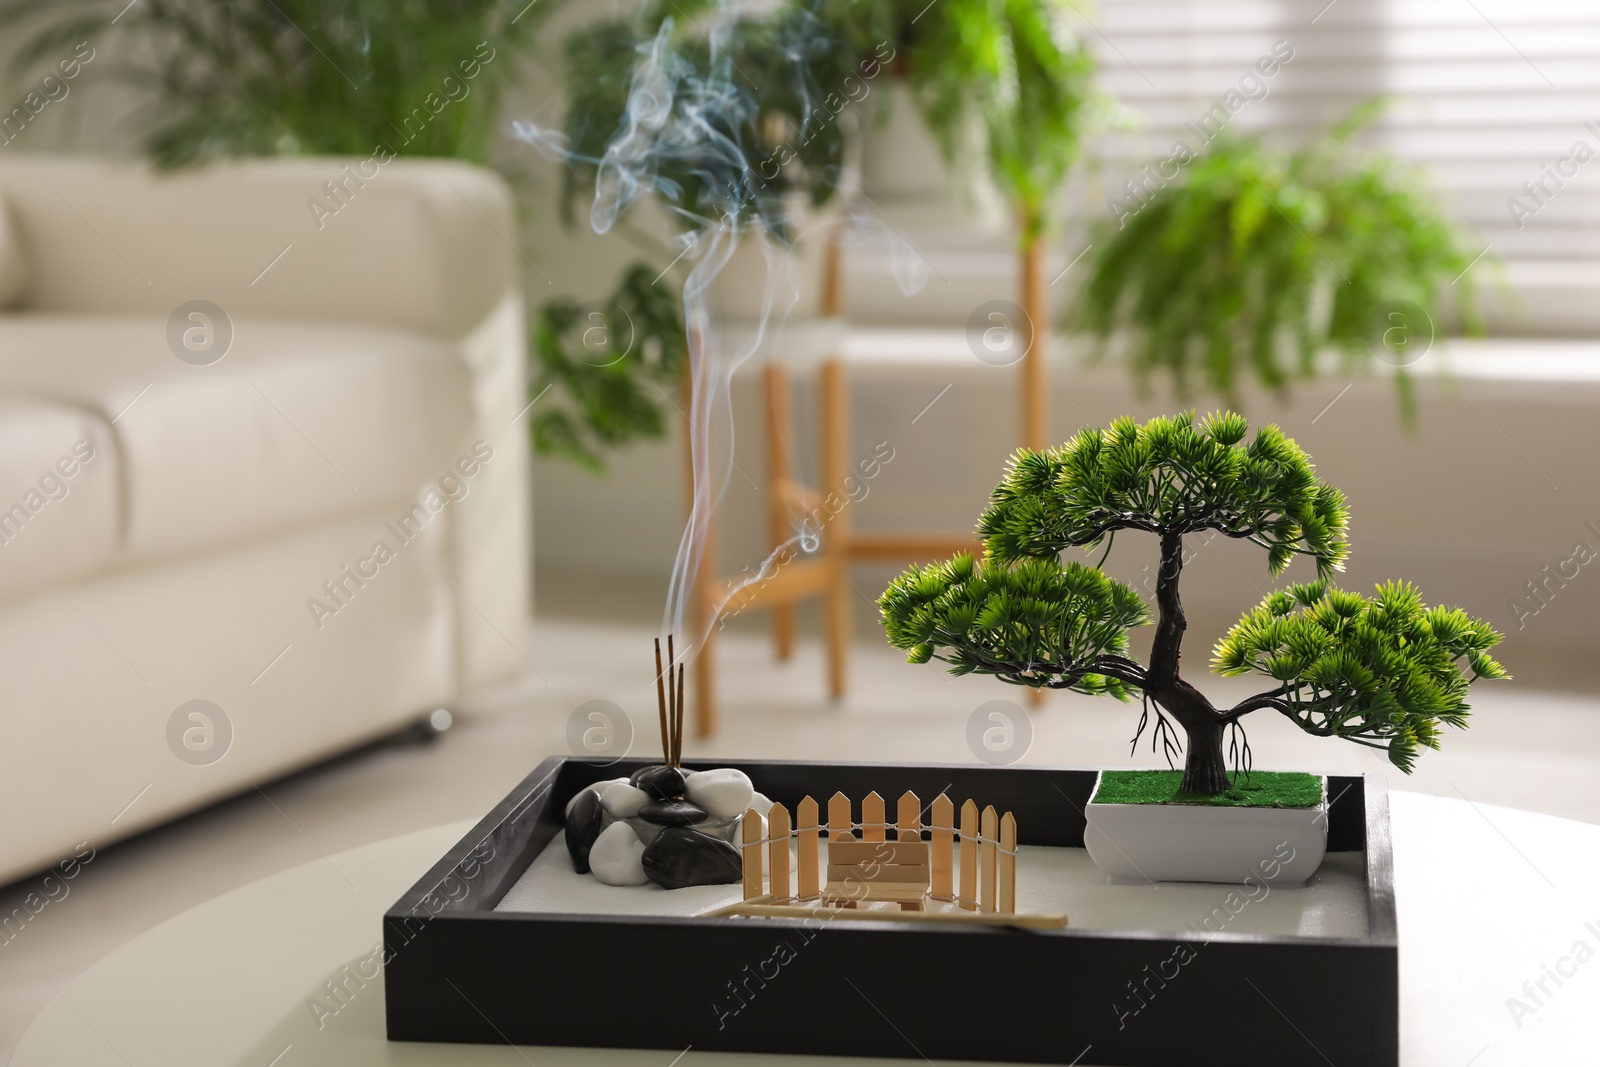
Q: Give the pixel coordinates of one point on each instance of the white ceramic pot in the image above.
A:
(1144, 843)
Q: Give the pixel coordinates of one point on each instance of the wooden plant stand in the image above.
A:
(826, 575)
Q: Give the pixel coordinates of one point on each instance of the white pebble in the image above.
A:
(623, 801)
(617, 856)
(723, 792)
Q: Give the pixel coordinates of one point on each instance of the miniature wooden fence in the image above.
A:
(988, 853)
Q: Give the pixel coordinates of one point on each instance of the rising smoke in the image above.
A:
(693, 134)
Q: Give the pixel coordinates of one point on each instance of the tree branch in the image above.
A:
(1123, 670)
(1273, 698)
(1054, 546)
(1118, 667)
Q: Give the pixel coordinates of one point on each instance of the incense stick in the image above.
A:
(678, 744)
(661, 702)
(672, 705)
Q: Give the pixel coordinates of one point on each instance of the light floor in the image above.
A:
(1530, 747)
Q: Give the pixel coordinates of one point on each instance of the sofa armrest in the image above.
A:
(412, 244)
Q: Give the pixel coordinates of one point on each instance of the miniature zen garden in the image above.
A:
(1384, 671)
(652, 115)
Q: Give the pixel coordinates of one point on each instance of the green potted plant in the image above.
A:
(741, 142)
(1384, 671)
(781, 91)
(230, 78)
(1253, 263)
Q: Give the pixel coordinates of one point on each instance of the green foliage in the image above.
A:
(1229, 271)
(1033, 622)
(611, 363)
(1169, 475)
(1019, 67)
(299, 77)
(1382, 671)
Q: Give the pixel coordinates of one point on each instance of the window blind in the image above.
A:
(1498, 101)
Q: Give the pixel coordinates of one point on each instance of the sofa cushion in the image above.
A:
(59, 493)
(13, 259)
(292, 422)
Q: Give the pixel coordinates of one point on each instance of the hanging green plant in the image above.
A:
(1255, 263)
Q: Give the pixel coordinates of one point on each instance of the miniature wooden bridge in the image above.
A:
(906, 862)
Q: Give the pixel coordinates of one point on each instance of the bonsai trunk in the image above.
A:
(1204, 769)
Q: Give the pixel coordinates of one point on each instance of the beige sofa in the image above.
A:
(303, 502)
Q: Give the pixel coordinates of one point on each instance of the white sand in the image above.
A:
(1332, 903)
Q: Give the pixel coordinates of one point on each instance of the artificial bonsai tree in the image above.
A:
(1382, 671)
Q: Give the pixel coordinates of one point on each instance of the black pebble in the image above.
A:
(583, 826)
(660, 781)
(672, 813)
(680, 857)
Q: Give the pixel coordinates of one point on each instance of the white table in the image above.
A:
(1487, 897)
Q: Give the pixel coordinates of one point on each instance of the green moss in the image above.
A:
(1262, 789)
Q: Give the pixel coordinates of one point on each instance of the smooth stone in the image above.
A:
(597, 787)
(680, 857)
(583, 827)
(617, 857)
(623, 801)
(672, 813)
(660, 781)
(723, 792)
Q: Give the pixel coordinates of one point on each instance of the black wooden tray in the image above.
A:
(457, 970)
